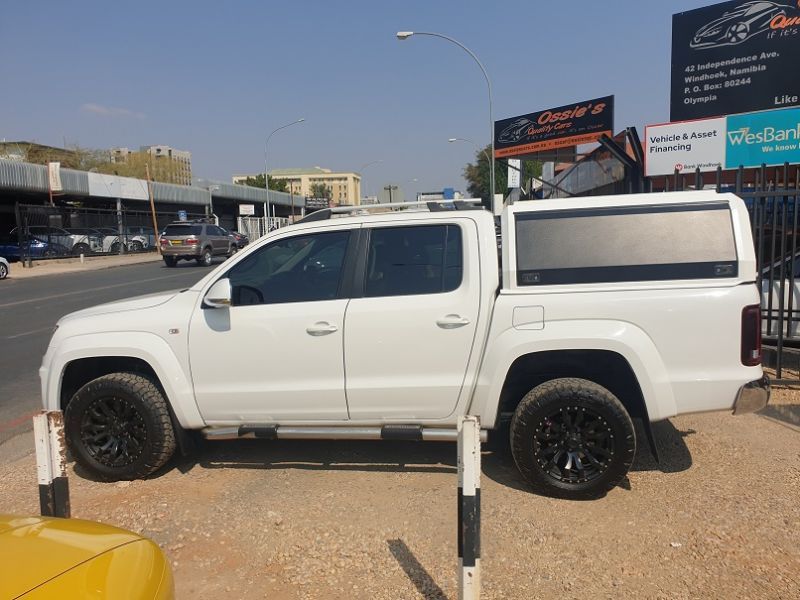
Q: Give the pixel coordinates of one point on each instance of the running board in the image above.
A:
(386, 432)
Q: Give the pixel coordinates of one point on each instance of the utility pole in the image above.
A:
(152, 209)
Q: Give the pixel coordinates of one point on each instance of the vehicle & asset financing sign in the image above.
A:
(735, 57)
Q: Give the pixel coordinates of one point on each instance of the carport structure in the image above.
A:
(28, 183)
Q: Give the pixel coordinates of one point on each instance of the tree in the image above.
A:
(478, 175)
(278, 185)
(320, 190)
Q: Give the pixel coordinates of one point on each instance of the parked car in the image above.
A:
(241, 239)
(31, 246)
(411, 320)
(71, 558)
(195, 241)
(75, 243)
(90, 236)
(140, 238)
(4, 268)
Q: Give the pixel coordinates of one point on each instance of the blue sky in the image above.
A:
(215, 77)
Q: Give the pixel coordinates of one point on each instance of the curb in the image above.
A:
(65, 266)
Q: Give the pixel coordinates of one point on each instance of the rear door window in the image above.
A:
(411, 260)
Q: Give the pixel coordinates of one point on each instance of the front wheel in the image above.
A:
(572, 438)
(3, 270)
(118, 427)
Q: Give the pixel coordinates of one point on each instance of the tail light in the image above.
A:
(163, 242)
(192, 241)
(751, 335)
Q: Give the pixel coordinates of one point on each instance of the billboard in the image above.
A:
(770, 137)
(560, 127)
(113, 186)
(735, 57)
(684, 147)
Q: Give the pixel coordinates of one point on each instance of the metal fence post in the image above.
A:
(51, 463)
(469, 508)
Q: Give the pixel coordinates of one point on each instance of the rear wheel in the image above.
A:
(170, 261)
(205, 259)
(572, 438)
(136, 246)
(114, 249)
(3, 270)
(233, 250)
(118, 427)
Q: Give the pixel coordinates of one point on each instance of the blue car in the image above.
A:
(32, 246)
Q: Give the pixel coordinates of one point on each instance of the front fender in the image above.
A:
(623, 338)
(145, 346)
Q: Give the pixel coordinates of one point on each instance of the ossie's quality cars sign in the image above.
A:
(570, 125)
(735, 57)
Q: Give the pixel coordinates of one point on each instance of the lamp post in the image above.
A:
(404, 35)
(457, 139)
(364, 179)
(211, 190)
(266, 168)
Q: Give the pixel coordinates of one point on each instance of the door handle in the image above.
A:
(321, 328)
(452, 321)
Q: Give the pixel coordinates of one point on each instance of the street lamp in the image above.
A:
(211, 190)
(404, 35)
(453, 140)
(364, 179)
(266, 168)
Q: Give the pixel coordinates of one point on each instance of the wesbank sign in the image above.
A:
(771, 137)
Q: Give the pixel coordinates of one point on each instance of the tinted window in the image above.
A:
(625, 244)
(414, 260)
(298, 269)
(179, 230)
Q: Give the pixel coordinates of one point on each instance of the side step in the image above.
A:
(386, 432)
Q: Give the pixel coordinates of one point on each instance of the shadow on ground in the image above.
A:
(418, 574)
(785, 413)
(410, 457)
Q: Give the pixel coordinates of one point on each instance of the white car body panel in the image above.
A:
(257, 364)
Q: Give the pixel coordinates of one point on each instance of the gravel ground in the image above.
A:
(718, 518)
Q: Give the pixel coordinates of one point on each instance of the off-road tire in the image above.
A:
(536, 434)
(150, 410)
(170, 261)
(206, 258)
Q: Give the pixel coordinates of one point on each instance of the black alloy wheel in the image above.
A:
(572, 438)
(113, 432)
(574, 444)
(118, 427)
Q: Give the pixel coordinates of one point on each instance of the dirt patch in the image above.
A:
(717, 518)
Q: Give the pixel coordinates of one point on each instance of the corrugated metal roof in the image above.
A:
(27, 177)
(245, 193)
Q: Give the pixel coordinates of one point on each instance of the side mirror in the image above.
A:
(219, 296)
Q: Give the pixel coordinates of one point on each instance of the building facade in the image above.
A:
(180, 161)
(344, 188)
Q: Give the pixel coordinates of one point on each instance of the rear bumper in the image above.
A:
(181, 252)
(752, 396)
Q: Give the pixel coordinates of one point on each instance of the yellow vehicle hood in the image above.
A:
(48, 558)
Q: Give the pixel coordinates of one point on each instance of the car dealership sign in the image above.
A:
(685, 147)
(769, 137)
(548, 130)
(735, 57)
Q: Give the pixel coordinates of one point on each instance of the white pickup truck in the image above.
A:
(390, 323)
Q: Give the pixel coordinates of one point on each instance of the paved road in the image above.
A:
(29, 308)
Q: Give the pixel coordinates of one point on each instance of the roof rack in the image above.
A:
(430, 205)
